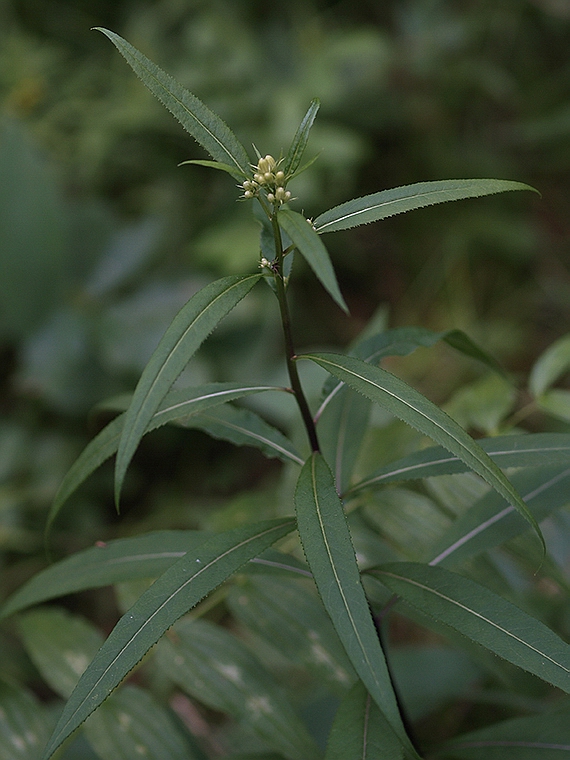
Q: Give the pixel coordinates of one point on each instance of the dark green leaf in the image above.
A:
(360, 731)
(415, 409)
(205, 126)
(398, 200)
(482, 616)
(536, 450)
(311, 247)
(489, 522)
(534, 737)
(328, 547)
(191, 326)
(243, 427)
(180, 588)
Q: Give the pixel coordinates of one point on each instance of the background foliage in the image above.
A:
(103, 238)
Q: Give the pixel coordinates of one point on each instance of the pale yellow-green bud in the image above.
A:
(270, 197)
(268, 177)
(280, 177)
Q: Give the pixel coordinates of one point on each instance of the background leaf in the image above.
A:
(483, 617)
(203, 124)
(549, 367)
(180, 588)
(24, 726)
(215, 668)
(372, 208)
(327, 545)
(534, 737)
(131, 723)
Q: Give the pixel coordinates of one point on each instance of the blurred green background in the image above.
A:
(103, 237)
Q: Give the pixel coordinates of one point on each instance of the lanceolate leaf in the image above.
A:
(311, 247)
(534, 737)
(489, 522)
(360, 731)
(328, 548)
(191, 326)
(177, 405)
(398, 200)
(536, 450)
(179, 589)
(126, 559)
(554, 362)
(299, 143)
(205, 126)
(412, 407)
(243, 427)
(482, 616)
(402, 341)
(213, 165)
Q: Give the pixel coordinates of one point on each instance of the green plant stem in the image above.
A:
(290, 354)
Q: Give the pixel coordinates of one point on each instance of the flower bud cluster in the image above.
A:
(270, 178)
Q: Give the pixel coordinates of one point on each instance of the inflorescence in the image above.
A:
(269, 177)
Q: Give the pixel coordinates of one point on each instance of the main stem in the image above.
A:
(290, 355)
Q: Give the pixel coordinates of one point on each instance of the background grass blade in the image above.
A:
(180, 588)
(204, 125)
(482, 616)
(328, 548)
(360, 731)
(175, 406)
(311, 247)
(398, 200)
(535, 450)
(191, 326)
(412, 407)
(295, 153)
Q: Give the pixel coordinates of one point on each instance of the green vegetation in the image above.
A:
(312, 557)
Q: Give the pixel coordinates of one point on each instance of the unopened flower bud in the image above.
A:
(270, 197)
(280, 177)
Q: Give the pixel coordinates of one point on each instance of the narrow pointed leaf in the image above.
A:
(311, 247)
(218, 670)
(124, 559)
(177, 405)
(372, 208)
(243, 427)
(203, 124)
(191, 326)
(179, 589)
(489, 523)
(415, 409)
(214, 165)
(299, 143)
(483, 617)
(535, 450)
(328, 548)
(534, 737)
(127, 559)
(402, 341)
(360, 731)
